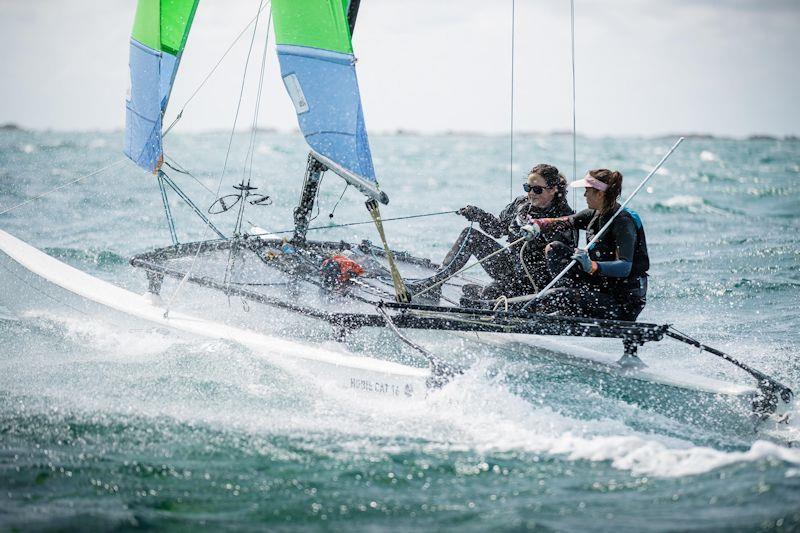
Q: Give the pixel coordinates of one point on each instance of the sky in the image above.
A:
(643, 67)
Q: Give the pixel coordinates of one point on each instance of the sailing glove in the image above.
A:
(472, 213)
(530, 231)
(583, 259)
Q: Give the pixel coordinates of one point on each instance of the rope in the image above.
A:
(247, 169)
(574, 115)
(460, 248)
(239, 103)
(525, 267)
(167, 210)
(511, 126)
(254, 128)
(504, 248)
(316, 200)
(330, 215)
(334, 226)
(182, 170)
(401, 292)
(54, 189)
(502, 299)
(245, 192)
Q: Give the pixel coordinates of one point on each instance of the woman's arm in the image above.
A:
(624, 231)
(487, 221)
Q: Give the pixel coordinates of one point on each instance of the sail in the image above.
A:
(157, 41)
(318, 69)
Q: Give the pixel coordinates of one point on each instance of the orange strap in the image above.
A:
(347, 267)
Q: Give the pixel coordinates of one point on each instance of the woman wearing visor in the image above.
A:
(545, 196)
(612, 279)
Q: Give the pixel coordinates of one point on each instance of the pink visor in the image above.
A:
(589, 182)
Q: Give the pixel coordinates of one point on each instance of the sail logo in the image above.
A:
(378, 387)
(296, 93)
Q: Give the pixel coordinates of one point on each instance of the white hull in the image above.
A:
(45, 280)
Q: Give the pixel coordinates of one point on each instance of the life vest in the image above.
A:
(341, 268)
(605, 249)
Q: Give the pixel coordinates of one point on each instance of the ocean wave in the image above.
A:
(741, 288)
(767, 192)
(690, 204)
(6, 314)
(220, 388)
(205, 383)
(708, 156)
(99, 258)
(497, 421)
(117, 343)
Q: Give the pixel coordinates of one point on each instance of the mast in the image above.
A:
(352, 14)
(314, 171)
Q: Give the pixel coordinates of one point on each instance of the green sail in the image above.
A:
(316, 23)
(163, 25)
(315, 52)
(159, 35)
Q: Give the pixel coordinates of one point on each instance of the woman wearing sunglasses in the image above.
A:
(545, 196)
(612, 279)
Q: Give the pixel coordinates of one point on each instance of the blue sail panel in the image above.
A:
(152, 73)
(324, 89)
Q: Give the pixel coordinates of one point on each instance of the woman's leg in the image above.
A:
(579, 300)
(471, 243)
(633, 299)
(557, 256)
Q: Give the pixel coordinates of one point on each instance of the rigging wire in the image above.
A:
(213, 69)
(334, 226)
(245, 191)
(227, 155)
(254, 128)
(59, 187)
(177, 167)
(239, 103)
(330, 215)
(511, 126)
(247, 169)
(574, 114)
(316, 200)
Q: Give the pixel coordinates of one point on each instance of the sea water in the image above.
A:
(107, 428)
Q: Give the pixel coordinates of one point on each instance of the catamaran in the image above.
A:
(347, 285)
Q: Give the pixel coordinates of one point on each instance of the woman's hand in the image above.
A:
(471, 213)
(583, 259)
(530, 230)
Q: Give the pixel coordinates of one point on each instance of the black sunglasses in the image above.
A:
(537, 189)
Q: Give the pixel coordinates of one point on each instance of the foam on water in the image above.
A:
(473, 413)
(476, 412)
(708, 156)
(130, 345)
(691, 204)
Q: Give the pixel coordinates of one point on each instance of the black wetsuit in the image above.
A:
(619, 287)
(505, 268)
